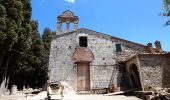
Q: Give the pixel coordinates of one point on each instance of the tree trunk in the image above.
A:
(6, 65)
(1, 58)
(1, 71)
(4, 80)
(3, 86)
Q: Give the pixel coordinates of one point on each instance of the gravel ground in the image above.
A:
(100, 97)
(18, 96)
(43, 95)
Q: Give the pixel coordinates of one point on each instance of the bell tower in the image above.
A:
(66, 17)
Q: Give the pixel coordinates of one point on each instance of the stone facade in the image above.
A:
(106, 59)
(166, 73)
(153, 69)
(63, 68)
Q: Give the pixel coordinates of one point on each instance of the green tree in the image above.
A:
(38, 50)
(10, 24)
(23, 44)
(15, 33)
(29, 67)
(24, 53)
(47, 36)
(166, 10)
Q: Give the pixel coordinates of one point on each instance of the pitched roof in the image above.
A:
(97, 34)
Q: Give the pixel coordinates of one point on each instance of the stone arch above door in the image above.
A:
(83, 54)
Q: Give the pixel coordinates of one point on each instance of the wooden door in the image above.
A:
(83, 77)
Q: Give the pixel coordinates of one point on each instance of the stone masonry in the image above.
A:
(141, 65)
(63, 68)
(153, 69)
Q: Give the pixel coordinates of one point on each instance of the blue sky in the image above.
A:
(135, 20)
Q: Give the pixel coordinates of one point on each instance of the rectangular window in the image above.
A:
(118, 47)
(83, 41)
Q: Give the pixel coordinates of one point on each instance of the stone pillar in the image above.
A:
(75, 25)
(67, 26)
(59, 24)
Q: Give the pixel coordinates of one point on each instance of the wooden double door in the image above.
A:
(83, 77)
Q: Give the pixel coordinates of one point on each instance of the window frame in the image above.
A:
(120, 47)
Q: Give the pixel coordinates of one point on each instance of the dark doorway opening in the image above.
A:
(135, 78)
(123, 78)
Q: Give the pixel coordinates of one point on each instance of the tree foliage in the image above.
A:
(21, 41)
(166, 10)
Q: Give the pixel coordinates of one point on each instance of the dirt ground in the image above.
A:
(43, 96)
(100, 97)
(13, 97)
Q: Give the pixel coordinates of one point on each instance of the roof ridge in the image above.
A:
(114, 37)
(102, 34)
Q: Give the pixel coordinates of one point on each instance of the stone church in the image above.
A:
(87, 60)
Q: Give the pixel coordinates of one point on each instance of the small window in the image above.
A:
(83, 41)
(119, 47)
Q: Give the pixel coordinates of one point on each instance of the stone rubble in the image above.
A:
(161, 94)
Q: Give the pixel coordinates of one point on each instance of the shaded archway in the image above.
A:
(134, 77)
(123, 80)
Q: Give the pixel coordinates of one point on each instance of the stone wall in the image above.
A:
(102, 66)
(129, 48)
(151, 67)
(166, 74)
(62, 67)
(154, 69)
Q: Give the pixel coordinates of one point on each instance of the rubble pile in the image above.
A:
(163, 93)
(67, 89)
(160, 94)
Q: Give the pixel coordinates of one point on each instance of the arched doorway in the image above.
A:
(134, 77)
